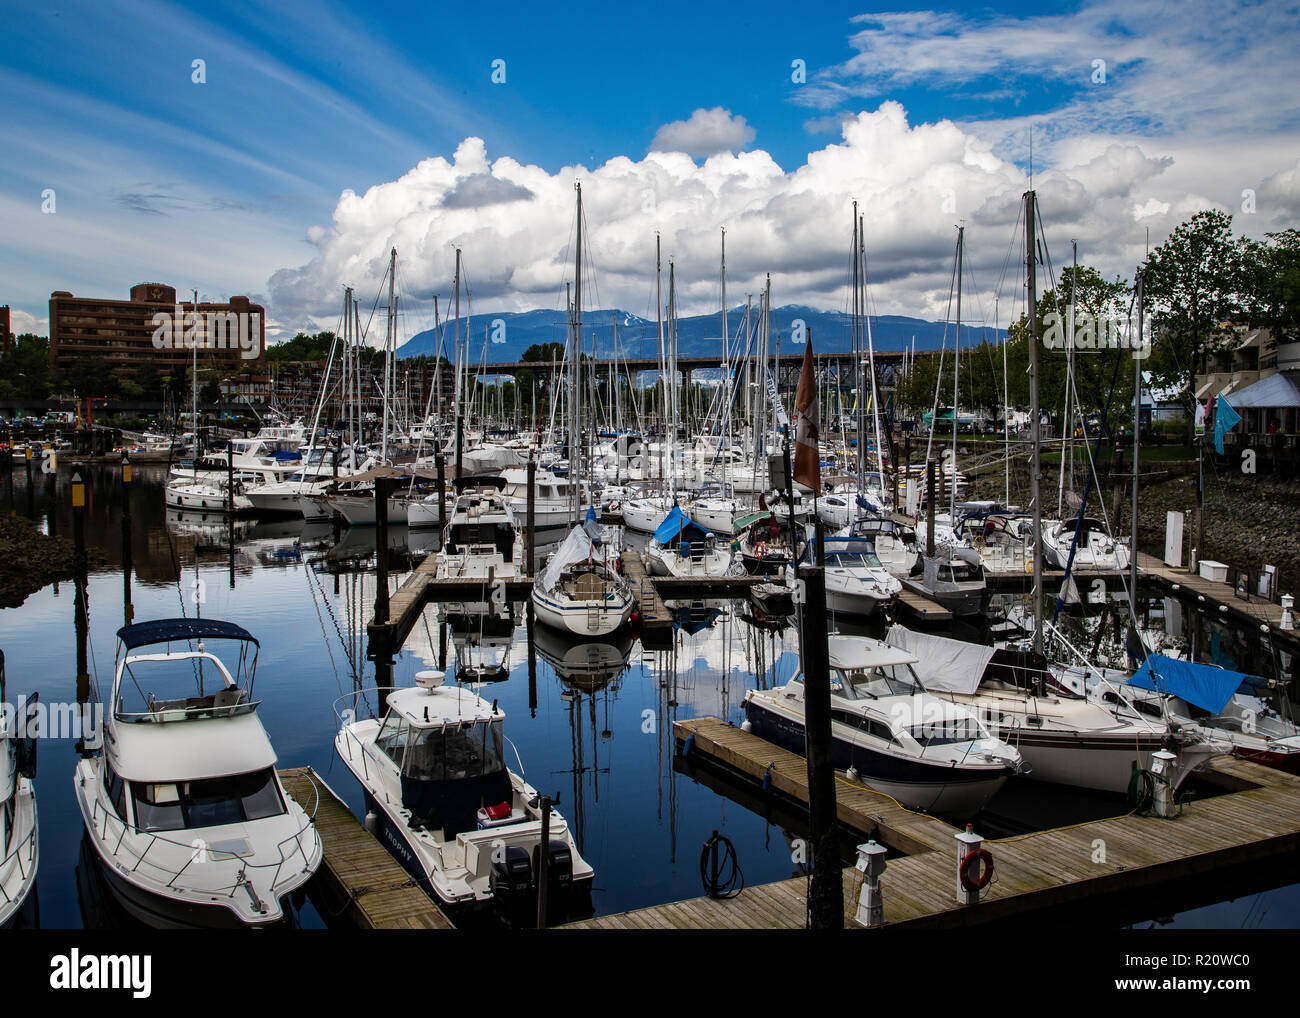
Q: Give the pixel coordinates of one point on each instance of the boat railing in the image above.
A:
(1121, 698)
(24, 853)
(200, 852)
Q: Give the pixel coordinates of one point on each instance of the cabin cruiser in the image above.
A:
(200, 495)
(19, 835)
(856, 582)
(952, 577)
(1065, 737)
(182, 803)
(894, 542)
(927, 752)
(1095, 548)
(581, 590)
(645, 512)
(482, 540)
(314, 476)
(681, 547)
(466, 828)
(552, 498)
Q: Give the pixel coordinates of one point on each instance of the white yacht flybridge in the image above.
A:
(182, 805)
(469, 830)
(19, 839)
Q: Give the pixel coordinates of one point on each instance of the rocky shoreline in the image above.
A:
(29, 560)
(1250, 520)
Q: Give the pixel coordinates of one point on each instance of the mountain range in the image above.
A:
(504, 336)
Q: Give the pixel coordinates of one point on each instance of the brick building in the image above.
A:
(153, 330)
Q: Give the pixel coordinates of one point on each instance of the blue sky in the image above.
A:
(239, 184)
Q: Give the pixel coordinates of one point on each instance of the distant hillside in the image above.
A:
(698, 336)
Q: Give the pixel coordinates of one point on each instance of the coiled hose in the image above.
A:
(729, 880)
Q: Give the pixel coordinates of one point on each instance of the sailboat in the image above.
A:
(581, 590)
(19, 835)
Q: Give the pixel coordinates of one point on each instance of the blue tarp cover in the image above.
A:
(678, 524)
(1205, 686)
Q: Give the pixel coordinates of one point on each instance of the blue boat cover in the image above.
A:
(678, 525)
(143, 634)
(1206, 686)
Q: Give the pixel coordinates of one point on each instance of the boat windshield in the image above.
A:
(454, 752)
(948, 731)
(873, 682)
(959, 573)
(212, 802)
(856, 559)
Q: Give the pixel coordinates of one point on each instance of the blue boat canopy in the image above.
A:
(1206, 686)
(142, 634)
(677, 525)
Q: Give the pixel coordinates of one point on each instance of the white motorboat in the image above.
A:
(953, 577)
(482, 539)
(204, 496)
(894, 543)
(856, 582)
(182, 803)
(552, 498)
(681, 547)
(581, 591)
(927, 752)
(465, 827)
(19, 834)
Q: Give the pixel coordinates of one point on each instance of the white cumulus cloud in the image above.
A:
(704, 133)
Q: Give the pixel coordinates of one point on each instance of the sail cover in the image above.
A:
(577, 547)
(943, 664)
(678, 524)
(1206, 686)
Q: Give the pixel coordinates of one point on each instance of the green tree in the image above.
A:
(1271, 283)
(1192, 287)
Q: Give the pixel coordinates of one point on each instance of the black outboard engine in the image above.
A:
(512, 889)
(559, 880)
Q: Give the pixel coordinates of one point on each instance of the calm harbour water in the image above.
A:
(592, 724)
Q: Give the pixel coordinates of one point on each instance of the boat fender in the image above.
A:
(686, 746)
(767, 777)
(372, 822)
(978, 862)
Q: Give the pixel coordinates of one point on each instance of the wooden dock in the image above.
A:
(654, 613)
(358, 877)
(921, 607)
(1056, 875)
(1221, 597)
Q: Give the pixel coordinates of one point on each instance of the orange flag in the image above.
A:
(807, 434)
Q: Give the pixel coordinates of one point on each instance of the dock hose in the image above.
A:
(1141, 790)
(728, 881)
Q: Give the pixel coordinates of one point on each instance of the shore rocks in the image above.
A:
(30, 559)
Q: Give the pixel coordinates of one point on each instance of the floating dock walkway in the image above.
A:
(1112, 864)
(358, 877)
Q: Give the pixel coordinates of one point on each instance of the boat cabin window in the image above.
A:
(454, 752)
(876, 681)
(178, 806)
(863, 724)
(393, 736)
(960, 573)
(115, 788)
(856, 559)
(949, 730)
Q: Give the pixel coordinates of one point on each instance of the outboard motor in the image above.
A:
(512, 889)
(559, 880)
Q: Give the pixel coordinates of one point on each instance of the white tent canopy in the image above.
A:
(943, 664)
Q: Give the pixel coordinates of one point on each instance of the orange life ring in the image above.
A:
(760, 549)
(981, 861)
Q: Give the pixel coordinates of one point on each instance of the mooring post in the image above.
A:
(128, 609)
(79, 566)
(460, 443)
(230, 476)
(826, 895)
(442, 497)
(929, 507)
(381, 551)
(532, 660)
(530, 533)
(544, 862)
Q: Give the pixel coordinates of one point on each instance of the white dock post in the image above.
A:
(1288, 619)
(968, 843)
(1162, 766)
(871, 905)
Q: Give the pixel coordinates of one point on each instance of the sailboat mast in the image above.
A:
(871, 364)
(1137, 426)
(663, 363)
(388, 346)
(956, 380)
(1035, 467)
(575, 415)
